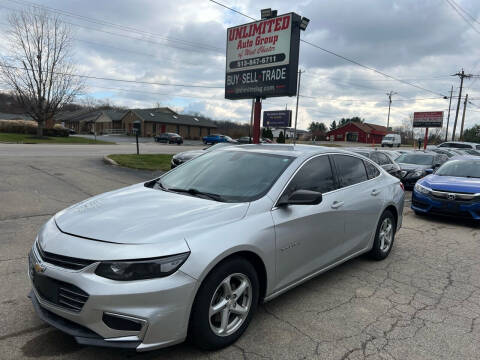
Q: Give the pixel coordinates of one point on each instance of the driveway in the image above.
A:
(423, 302)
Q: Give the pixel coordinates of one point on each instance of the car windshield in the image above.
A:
(417, 159)
(229, 176)
(460, 168)
(388, 138)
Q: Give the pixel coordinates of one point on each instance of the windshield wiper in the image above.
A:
(196, 192)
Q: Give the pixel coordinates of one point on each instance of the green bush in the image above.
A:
(30, 127)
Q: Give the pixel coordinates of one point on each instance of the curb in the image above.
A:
(109, 161)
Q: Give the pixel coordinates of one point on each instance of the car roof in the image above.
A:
(465, 157)
(286, 149)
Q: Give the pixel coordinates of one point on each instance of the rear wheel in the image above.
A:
(224, 304)
(382, 245)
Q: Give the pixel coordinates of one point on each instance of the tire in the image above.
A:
(205, 331)
(378, 252)
(418, 213)
(398, 145)
(383, 145)
(205, 143)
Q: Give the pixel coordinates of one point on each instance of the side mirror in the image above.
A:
(301, 197)
(429, 171)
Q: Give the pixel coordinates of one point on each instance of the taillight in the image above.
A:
(402, 186)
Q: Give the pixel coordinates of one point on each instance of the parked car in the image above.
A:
(180, 158)
(417, 164)
(453, 190)
(169, 138)
(392, 140)
(459, 145)
(193, 252)
(445, 151)
(381, 159)
(249, 140)
(217, 138)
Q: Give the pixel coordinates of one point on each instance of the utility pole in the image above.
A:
(448, 118)
(296, 110)
(389, 104)
(462, 76)
(463, 117)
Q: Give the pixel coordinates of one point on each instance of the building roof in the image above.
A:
(161, 116)
(7, 116)
(89, 115)
(365, 127)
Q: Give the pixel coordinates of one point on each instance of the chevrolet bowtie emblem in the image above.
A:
(39, 268)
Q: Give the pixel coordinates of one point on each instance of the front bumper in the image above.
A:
(161, 307)
(427, 204)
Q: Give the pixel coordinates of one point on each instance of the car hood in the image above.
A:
(452, 183)
(187, 155)
(404, 166)
(141, 215)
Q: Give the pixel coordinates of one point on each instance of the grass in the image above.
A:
(31, 139)
(143, 162)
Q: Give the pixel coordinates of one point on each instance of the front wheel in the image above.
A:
(384, 236)
(224, 304)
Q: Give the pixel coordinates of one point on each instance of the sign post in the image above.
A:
(427, 119)
(262, 60)
(136, 128)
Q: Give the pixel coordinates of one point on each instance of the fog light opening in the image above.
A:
(119, 322)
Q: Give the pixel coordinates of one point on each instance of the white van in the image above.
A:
(392, 140)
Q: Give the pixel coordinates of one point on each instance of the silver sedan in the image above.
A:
(192, 253)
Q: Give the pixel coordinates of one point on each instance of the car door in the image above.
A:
(308, 237)
(362, 200)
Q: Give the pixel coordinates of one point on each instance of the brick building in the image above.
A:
(358, 132)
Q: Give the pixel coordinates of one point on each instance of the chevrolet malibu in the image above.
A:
(192, 253)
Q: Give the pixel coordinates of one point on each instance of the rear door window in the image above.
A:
(372, 171)
(351, 170)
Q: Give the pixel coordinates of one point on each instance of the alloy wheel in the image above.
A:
(386, 234)
(230, 304)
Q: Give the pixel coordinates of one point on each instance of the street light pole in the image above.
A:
(448, 118)
(296, 109)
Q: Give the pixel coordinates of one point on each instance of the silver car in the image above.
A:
(193, 252)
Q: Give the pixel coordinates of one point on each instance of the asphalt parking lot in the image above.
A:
(422, 302)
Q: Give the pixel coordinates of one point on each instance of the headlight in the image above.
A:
(422, 189)
(418, 173)
(141, 269)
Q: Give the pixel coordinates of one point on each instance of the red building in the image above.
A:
(358, 132)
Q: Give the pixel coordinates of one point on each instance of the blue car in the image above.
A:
(217, 138)
(453, 190)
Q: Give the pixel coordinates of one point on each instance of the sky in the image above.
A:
(183, 42)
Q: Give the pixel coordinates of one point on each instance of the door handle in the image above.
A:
(375, 192)
(337, 204)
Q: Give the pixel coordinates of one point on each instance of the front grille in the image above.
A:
(63, 261)
(60, 293)
(458, 196)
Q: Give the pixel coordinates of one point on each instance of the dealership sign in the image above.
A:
(428, 119)
(262, 58)
(277, 119)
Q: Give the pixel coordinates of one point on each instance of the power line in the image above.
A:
(113, 25)
(152, 41)
(341, 56)
(462, 16)
(464, 11)
(120, 80)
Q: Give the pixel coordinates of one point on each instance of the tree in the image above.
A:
(269, 134)
(472, 134)
(264, 132)
(281, 138)
(344, 121)
(38, 68)
(318, 130)
(333, 125)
